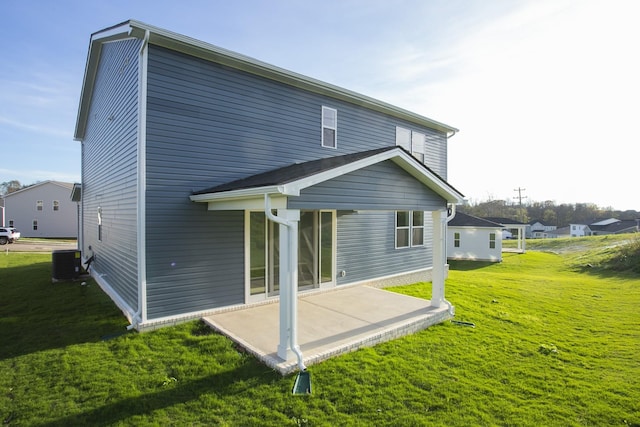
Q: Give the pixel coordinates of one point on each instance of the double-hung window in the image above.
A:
(492, 240)
(409, 229)
(329, 127)
(39, 205)
(56, 205)
(412, 141)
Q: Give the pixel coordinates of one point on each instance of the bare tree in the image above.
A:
(10, 187)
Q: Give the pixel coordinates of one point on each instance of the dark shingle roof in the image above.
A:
(617, 227)
(298, 171)
(464, 220)
(504, 220)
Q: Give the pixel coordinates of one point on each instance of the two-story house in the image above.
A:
(207, 174)
(42, 210)
(539, 229)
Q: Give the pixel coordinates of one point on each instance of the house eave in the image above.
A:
(190, 46)
(294, 188)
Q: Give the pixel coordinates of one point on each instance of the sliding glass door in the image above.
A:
(316, 253)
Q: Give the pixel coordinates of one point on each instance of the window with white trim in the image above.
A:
(39, 205)
(409, 229)
(56, 205)
(456, 240)
(329, 127)
(492, 240)
(412, 141)
(35, 224)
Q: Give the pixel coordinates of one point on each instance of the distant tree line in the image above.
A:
(549, 212)
(10, 187)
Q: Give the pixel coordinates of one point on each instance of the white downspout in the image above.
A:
(449, 218)
(140, 316)
(289, 288)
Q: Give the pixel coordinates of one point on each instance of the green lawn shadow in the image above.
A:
(38, 314)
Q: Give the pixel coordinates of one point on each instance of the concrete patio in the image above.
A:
(330, 323)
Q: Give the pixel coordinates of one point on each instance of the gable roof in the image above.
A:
(167, 39)
(67, 185)
(290, 180)
(541, 222)
(465, 220)
(504, 221)
(617, 226)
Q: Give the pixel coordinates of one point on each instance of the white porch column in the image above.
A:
(288, 280)
(439, 257)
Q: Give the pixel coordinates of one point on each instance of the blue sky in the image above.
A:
(545, 93)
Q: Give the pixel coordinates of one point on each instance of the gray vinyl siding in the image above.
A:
(21, 210)
(109, 169)
(207, 125)
(197, 262)
(436, 154)
(366, 247)
(383, 186)
(218, 124)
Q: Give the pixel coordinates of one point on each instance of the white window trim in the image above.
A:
(410, 227)
(414, 136)
(334, 128)
(422, 227)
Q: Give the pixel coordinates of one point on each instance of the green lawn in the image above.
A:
(554, 344)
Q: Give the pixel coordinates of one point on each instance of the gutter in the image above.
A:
(140, 316)
(450, 307)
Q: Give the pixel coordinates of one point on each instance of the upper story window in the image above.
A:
(409, 229)
(329, 127)
(39, 205)
(412, 141)
(56, 205)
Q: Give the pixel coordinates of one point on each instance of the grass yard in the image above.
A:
(556, 342)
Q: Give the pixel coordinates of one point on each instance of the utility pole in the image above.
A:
(519, 197)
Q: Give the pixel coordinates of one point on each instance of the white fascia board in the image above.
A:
(117, 32)
(402, 159)
(201, 49)
(428, 178)
(245, 193)
(399, 157)
(247, 204)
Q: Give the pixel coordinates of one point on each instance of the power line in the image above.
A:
(519, 197)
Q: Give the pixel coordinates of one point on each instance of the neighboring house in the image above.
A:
(44, 209)
(559, 232)
(605, 226)
(186, 147)
(473, 238)
(516, 228)
(538, 229)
